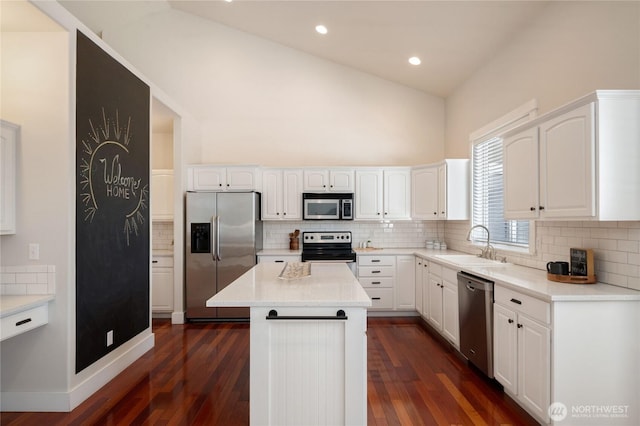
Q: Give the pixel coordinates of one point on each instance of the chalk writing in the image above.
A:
(117, 185)
(108, 171)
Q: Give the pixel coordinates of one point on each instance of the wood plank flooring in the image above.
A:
(198, 374)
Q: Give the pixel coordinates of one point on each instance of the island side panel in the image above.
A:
(308, 371)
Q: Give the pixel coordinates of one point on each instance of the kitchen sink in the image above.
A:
(469, 260)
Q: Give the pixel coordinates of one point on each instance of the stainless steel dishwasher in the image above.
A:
(475, 302)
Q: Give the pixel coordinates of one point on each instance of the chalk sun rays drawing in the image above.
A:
(109, 132)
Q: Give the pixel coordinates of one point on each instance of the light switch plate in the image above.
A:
(34, 251)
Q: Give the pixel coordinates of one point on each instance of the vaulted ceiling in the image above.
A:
(452, 38)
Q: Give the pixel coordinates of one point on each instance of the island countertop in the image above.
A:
(330, 284)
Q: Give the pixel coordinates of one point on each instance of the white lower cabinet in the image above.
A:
(443, 302)
(389, 281)
(405, 284)
(420, 269)
(377, 275)
(162, 284)
(522, 349)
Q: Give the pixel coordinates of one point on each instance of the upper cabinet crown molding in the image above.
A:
(9, 139)
(579, 160)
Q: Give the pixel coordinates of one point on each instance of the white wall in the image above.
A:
(262, 103)
(571, 49)
(35, 95)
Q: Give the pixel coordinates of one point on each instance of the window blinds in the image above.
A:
(488, 195)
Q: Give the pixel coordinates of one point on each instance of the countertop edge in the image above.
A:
(13, 304)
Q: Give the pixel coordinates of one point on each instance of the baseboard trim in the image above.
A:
(67, 401)
(177, 317)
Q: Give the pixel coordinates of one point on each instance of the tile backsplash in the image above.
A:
(616, 247)
(381, 234)
(27, 280)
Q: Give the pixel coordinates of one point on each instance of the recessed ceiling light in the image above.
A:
(228, 1)
(414, 60)
(321, 29)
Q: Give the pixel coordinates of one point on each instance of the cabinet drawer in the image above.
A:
(15, 324)
(162, 262)
(376, 271)
(435, 269)
(381, 298)
(375, 282)
(278, 259)
(376, 260)
(450, 275)
(535, 308)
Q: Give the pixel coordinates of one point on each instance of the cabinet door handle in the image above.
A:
(516, 301)
(533, 209)
(154, 261)
(375, 272)
(375, 260)
(541, 207)
(375, 282)
(279, 261)
(519, 325)
(510, 321)
(375, 298)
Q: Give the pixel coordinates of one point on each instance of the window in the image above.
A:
(487, 183)
(487, 208)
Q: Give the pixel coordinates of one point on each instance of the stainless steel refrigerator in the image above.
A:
(223, 234)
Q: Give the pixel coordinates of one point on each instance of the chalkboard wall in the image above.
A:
(112, 203)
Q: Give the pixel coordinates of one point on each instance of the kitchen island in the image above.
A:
(308, 356)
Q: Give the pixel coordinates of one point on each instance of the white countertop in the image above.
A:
(330, 284)
(10, 305)
(529, 281)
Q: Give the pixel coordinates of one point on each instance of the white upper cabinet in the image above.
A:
(520, 162)
(162, 195)
(9, 137)
(383, 193)
(215, 178)
(441, 191)
(332, 180)
(368, 202)
(424, 188)
(575, 162)
(397, 193)
(281, 194)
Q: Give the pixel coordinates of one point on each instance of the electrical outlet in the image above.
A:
(34, 251)
(109, 337)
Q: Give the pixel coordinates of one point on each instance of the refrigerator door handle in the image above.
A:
(218, 238)
(213, 238)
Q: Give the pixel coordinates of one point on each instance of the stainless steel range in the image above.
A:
(328, 247)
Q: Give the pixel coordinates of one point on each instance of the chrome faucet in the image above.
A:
(488, 252)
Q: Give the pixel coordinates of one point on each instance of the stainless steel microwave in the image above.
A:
(327, 206)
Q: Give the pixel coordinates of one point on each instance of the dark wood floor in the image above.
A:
(198, 374)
